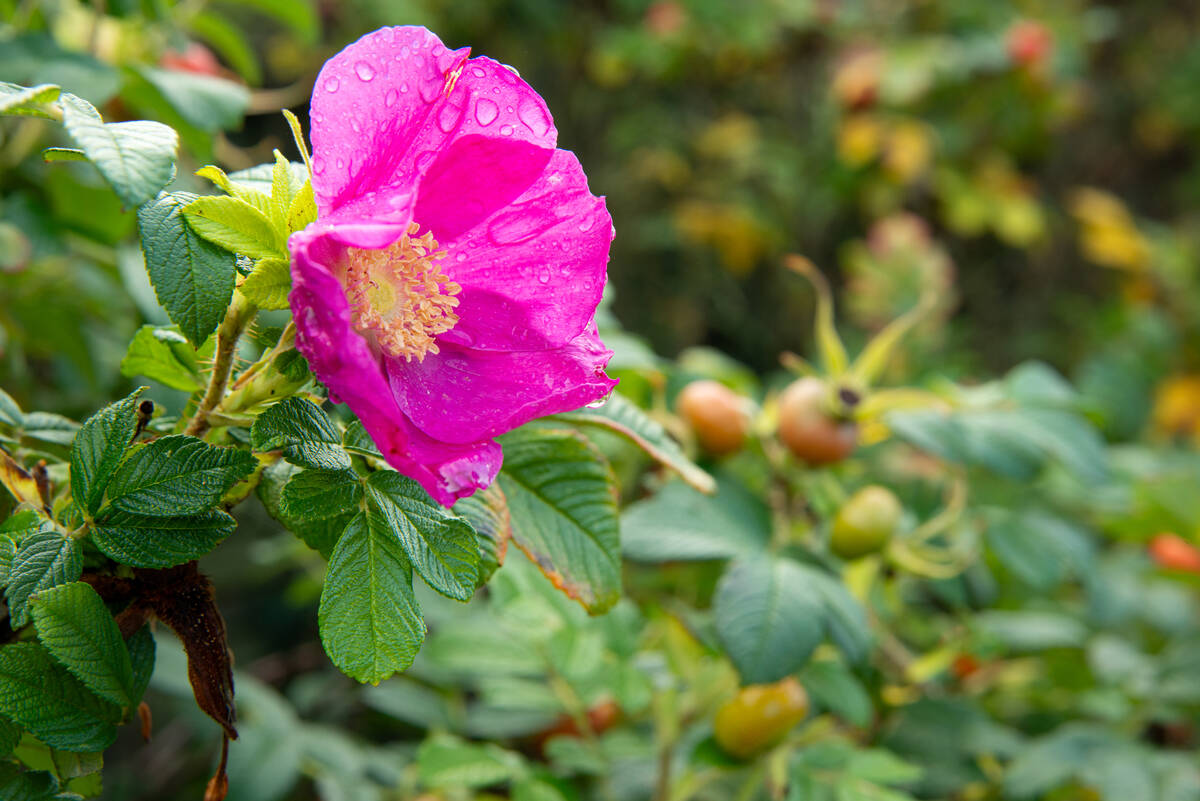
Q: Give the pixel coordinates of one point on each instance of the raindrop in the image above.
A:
(506, 130)
(478, 72)
(596, 404)
(460, 257)
(364, 71)
(318, 165)
(534, 117)
(448, 117)
(486, 111)
(544, 275)
(391, 97)
(404, 88)
(587, 224)
(332, 84)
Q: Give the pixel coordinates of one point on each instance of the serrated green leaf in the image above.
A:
(440, 545)
(303, 209)
(28, 785)
(320, 534)
(78, 631)
(321, 494)
(235, 225)
(620, 415)
(487, 512)
(370, 622)
(281, 192)
(305, 434)
(45, 558)
(175, 476)
(98, 447)
(10, 735)
(158, 542)
(192, 278)
(163, 354)
(41, 696)
(356, 440)
(771, 613)
(269, 284)
(451, 763)
(249, 194)
(561, 495)
(136, 158)
(27, 101)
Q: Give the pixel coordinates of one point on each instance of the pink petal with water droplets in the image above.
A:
(463, 395)
(340, 357)
(533, 271)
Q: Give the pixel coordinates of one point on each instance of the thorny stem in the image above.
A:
(240, 313)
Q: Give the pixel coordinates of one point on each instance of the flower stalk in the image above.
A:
(240, 313)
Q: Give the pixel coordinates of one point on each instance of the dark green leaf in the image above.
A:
(357, 440)
(40, 695)
(321, 494)
(370, 621)
(28, 785)
(78, 631)
(141, 658)
(561, 495)
(321, 534)
(49, 427)
(441, 546)
(192, 278)
(158, 542)
(45, 558)
(177, 475)
(98, 448)
(305, 434)
(136, 158)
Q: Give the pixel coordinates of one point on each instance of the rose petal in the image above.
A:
(531, 273)
(463, 395)
(342, 360)
(385, 107)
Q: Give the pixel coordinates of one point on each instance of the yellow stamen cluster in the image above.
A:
(400, 297)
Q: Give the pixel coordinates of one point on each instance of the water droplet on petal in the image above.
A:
(448, 117)
(587, 224)
(506, 130)
(332, 84)
(404, 88)
(341, 165)
(364, 71)
(544, 275)
(596, 404)
(391, 97)
(534, 117)
(478, 72)
(460, 257)
(486, 111)
(318, 165)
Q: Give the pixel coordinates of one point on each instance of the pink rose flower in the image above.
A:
(448, 290)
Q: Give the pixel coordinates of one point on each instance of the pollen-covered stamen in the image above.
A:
(400, 297)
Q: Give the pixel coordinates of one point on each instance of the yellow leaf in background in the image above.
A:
(926, 666)
(739, 239)
(1108, 234)
(1019, 220)
(18, 482)
(1177, 406)
(733, 137)
(909, 150)
(859, 139)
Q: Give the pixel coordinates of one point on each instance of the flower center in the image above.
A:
(400, 297)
